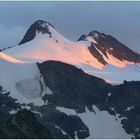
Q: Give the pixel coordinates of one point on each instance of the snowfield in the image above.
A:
(22, 80)
(101, 124)
(57, 47)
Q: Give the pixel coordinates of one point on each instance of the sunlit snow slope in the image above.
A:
(9, 58)
(55, 47)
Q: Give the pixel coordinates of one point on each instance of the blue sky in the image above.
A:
(72, 19)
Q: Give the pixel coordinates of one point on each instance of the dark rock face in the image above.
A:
(39, 26)
(107, 43)
(60, 124)
(96, 54)
(7, 104)
(23, 125)
(72, 88)
(124, 100)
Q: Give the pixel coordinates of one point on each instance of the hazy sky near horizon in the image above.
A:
(72, 19)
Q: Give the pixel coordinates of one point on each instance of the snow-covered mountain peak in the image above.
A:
(109, 50)
(38, 26)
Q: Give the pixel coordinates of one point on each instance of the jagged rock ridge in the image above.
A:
(102, 46)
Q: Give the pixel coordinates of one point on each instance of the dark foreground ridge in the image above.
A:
(72, 89)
